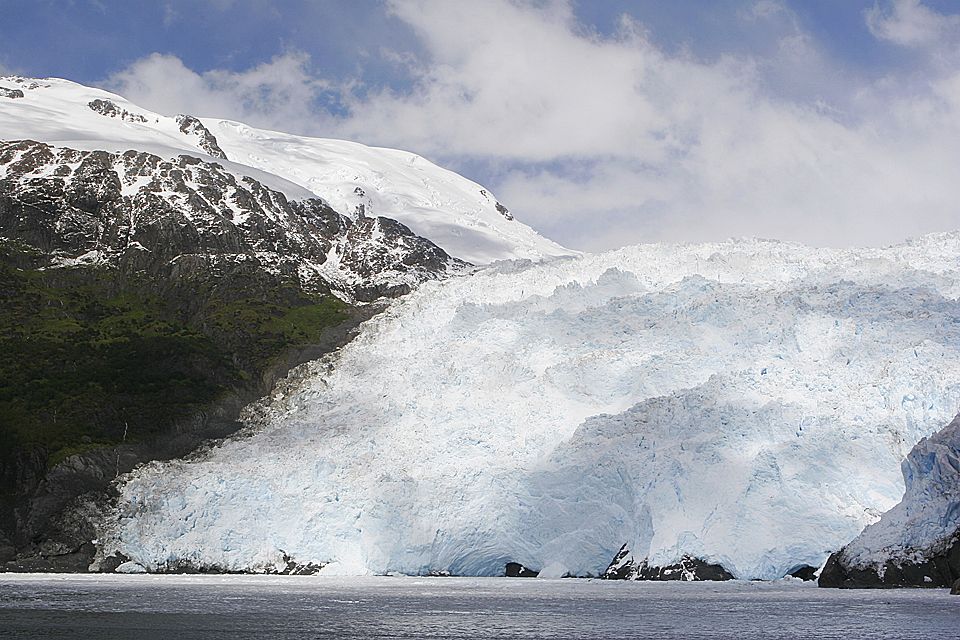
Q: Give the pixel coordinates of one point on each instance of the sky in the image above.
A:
(600, 123)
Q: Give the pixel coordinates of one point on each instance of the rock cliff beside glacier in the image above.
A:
(917, 542)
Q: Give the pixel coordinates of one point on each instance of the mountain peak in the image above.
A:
(460, 216)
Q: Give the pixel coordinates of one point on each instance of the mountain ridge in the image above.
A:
(459, 215)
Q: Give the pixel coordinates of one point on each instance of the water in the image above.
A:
(208, 607)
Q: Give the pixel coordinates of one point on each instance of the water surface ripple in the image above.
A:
(185, 607)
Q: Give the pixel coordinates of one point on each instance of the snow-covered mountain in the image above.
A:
(745, 403)
(460, 216)
(142, 212)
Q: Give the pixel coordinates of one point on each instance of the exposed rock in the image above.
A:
(111, 563)
(621, 567)
(940, 570)
(111, 110)
(28, 84)
(917, 542)
(10, 93)
(955, 589)
(688, 569)
(517, 570)
(805, 573)
(149, 214)
(502, 210)
(294, 568)
(207, 141)
(53, 559)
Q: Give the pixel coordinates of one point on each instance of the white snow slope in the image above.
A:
(747, 402)
(458, 215)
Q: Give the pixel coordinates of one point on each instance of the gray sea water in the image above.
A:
(262, 607)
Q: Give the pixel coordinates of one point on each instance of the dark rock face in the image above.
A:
(517, 570)
(150, 214)
(111, 110)
(917, 542)
(805, 573)
(621, 567)
(502, 210)
(10, 93)
(294, 568)
(688, 569)
(955, 589)
(941, 570)
(291, 567)
(207, 141)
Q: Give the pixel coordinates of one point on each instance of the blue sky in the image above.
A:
(599, 123)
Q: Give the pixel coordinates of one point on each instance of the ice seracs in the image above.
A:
(746, 404)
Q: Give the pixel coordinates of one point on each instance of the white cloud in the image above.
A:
(911, 24)
(279, 94)
(602, 141)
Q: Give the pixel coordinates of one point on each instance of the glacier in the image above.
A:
(748, 403)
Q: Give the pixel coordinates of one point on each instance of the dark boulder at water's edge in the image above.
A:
(687, 569)
(517, 570)
(805, 573)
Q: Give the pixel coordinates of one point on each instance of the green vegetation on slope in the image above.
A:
(89, 357)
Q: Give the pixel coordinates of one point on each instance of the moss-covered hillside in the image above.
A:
(92, 357)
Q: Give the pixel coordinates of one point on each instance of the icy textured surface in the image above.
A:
(458, 215)
(927, 520)
(106, 607)
(747, 402)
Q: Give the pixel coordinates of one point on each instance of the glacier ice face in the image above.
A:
(746, 402)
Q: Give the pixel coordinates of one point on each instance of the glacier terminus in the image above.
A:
(745, 403)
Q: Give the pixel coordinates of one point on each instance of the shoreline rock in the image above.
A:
(917, 542)
(687, 569)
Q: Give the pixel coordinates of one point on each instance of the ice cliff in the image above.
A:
(748, 403)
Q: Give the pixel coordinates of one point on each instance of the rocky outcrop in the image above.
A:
(110, 109)
(917, 542)
(10, 93)
(927, 569)
(687, 569)
(517, 570)
(804, 572)
(148, 213)
(205, 140)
